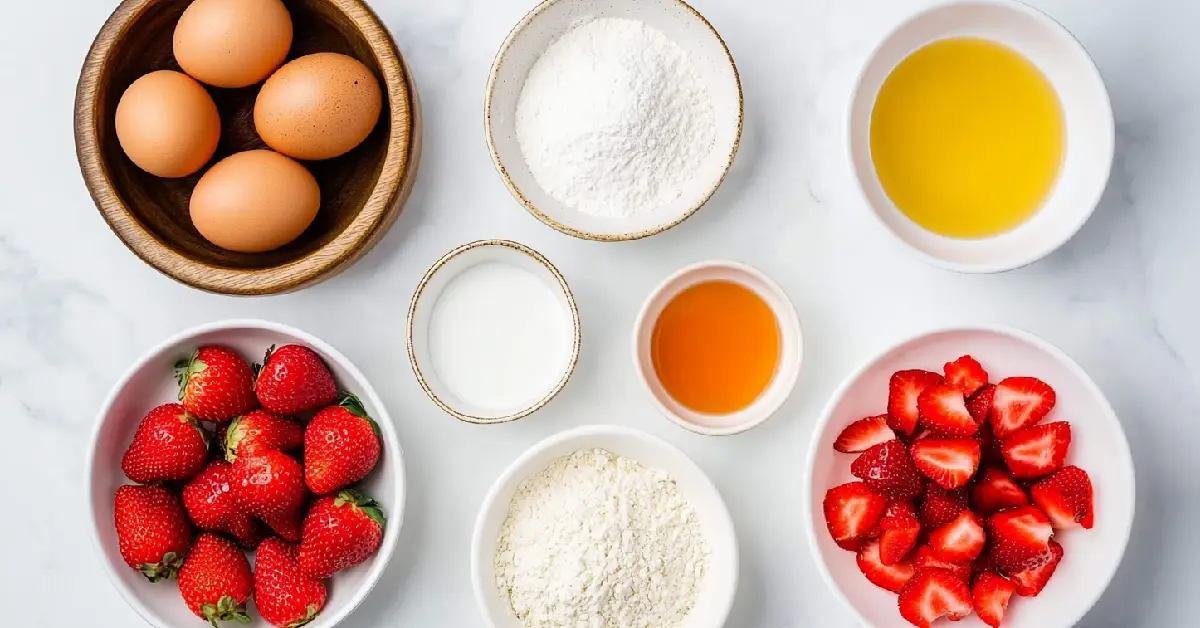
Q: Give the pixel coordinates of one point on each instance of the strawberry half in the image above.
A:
(995, 490)
(943, 409)
(1020, 539)
(900, 529)
(933, 594)
(1019, 402)
(891, 577)
(990, 596)
(1037, 451)
(967, 374)
(961, 540)
(888, 470)
(904, 389)
(980, 404)
(927, 558)
(864, 434)
(940, 506)
(950, 463)
(852, 511)
(1066, 498)
(1031, 581)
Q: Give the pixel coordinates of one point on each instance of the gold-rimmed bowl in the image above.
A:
(438, 280)
(544, 25)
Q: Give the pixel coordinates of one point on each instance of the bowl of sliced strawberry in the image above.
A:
(972, 475)
(227, 492)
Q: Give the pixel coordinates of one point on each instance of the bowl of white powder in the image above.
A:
(604, 527)
(613, 120)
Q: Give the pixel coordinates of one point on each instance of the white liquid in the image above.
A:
(500, 338)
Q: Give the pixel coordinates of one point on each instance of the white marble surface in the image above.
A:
(76, 308)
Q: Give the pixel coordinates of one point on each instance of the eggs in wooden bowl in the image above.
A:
(206, 226)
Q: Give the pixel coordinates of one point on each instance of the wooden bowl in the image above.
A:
(362, 192)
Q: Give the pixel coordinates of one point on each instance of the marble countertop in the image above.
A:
(76, 308)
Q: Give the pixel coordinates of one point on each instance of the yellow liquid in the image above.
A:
(967, 138)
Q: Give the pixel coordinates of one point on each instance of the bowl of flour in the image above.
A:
(604, 527)
(613, 120)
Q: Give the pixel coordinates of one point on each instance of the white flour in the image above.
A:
(600, 541)
(613, 119)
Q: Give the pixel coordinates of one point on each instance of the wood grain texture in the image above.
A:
(362, 192)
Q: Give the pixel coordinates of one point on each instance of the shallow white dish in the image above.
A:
(1087, 114)
(149, 383)
(542, 27)
(789, 360)
(720, 585)
(1098, 446)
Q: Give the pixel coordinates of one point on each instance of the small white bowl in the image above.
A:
(1098, 445)
(1087, 115)
(790, 357)
(544, 25)
(436, 279)
(715, 598)
(149, 383)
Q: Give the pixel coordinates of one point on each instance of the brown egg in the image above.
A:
(318, 106)
(167, 124)
(232, 43)
(254, 201)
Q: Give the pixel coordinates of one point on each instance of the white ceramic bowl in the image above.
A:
(1087, 115)
(149, 383)
(720, 585)
(544, 25)
(790, 358)
(1098, 445)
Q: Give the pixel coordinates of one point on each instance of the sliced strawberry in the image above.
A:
(961, 540)
(950, 463)
(990, 596)
(989, 446)
(890, 577)
(932, 594)
(980, 404)
(943, 409)
(900, 531)
(1019, 402)
(850, 545)
(1030, 582)
(852, 510)
(888, 470)
(984, 562)
(995, 490)
(1037, 451)
(904, 389)
(864, 434)
(1066, 498)
(967, 374)
(1020, 538)
(940, 506)
(927, 558)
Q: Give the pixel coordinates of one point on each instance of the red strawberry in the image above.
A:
(168, 446)
(940, 506)
(890, 577)
(961, 540)
(1031, 581)
(285, 597)
(293, 379)
(1019, 538)
(270, 486)
(1037, 451)
(340, 532)
(927, 558)
(990, 595)
(980, 404)
(995, 490)
(932, 594)
(341, 446)
(900, 529)
(903, 390)
(852, 510)
(215, 384)
(864, 434)
(260, 430)
(1019, 402)
(1066, 498)
(212, 507)
(989, 446)
(888, 470)
(215, 580)
(966, 374)
(943, 409)
(153, 531)
(950, 463)
(851, 545)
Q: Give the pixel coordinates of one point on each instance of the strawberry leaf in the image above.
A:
(354, 406)
(266, 358)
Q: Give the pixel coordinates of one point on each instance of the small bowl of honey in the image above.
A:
(718, 347)
(981, 134)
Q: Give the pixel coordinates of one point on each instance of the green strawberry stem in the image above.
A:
(369, 506)
(257, 368)
(354, 406)
(226, 609)
(165, 569)
(184, 369)
(233, 436)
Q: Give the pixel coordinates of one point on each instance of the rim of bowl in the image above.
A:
(577, 330)
(395, 517)
(490, 504)
(1093, 200)
(579, 233)
(786, 375)
(1109, 415)
(374, 218)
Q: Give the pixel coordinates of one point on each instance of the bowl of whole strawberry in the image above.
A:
(974, 475)
(224, 492)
